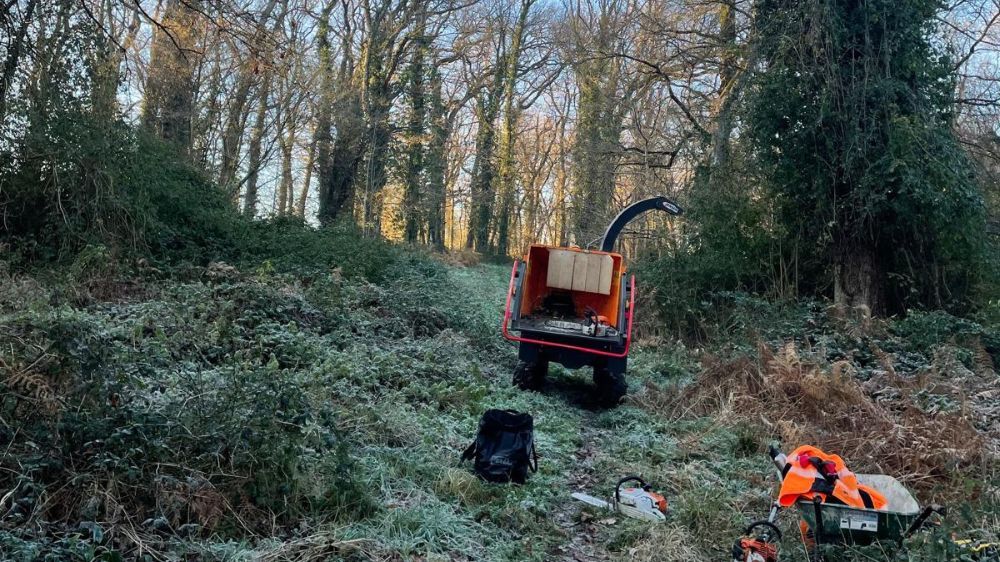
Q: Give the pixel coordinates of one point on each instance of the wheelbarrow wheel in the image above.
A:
(611, 386)
(530, 375)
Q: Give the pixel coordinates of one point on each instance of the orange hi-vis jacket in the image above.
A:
(831, 480)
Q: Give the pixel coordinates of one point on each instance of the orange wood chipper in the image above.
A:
(574, 307)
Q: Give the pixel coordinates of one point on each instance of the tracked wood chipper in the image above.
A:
(574, 307)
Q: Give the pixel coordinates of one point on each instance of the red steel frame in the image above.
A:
(511, 337)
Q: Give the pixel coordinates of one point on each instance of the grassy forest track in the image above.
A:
(219, 414)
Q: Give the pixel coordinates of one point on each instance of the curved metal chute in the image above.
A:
(631, 212)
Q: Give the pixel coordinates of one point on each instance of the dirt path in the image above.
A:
(582, 530)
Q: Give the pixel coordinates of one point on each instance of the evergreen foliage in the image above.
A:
(79, 180)
(850, 117)
(847, 162)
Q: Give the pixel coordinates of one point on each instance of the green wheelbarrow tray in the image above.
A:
(841, 524)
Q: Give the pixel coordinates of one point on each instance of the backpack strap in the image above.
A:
(469, 453)
(534, 454)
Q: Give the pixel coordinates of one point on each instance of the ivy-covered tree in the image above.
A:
(436, 162)
(416, 129)
(851, 120)
(600, 79)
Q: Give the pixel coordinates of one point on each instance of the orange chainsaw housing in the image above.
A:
(755, 550)
(658, 500)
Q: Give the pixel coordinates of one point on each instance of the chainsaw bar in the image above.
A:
(641, 509)
(591, 500)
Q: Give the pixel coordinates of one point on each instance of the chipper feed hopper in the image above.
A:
(574, 307)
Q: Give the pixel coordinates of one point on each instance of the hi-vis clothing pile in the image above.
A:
(809, 471)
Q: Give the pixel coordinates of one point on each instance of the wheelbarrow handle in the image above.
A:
(779, 459)
(918, 523)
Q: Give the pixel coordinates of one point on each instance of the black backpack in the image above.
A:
(504, 447)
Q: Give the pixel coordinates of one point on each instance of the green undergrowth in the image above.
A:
(271, 411)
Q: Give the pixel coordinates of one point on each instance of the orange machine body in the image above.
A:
(536, 288)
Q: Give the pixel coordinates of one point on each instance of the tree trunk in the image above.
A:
(107, 63)
(13, 59)
(232, 136)
(413, 187)
(300, 205)
(286, 141)
(256, 140)
(727, 75)
(436, 164)
(857, 286)
(43, 90)
(323, 135)
(483, 172)
(336, 161)
(210, 121)
(338, 167)
(595, 152)
(375, 166)
(507, 132)
(168, 104)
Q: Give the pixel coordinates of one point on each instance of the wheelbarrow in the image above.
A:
(847, 525)
(838, 524)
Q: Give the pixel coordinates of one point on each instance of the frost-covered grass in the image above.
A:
(219, 415)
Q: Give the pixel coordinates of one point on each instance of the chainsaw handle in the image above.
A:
(763, 523)
(629, 478)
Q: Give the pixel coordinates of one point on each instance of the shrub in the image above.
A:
(922, 331)
(292, 245)
(79, 180)
(195, 412)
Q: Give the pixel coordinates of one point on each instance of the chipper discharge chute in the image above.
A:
(574, 307)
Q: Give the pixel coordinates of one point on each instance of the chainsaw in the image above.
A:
(760, 540)
(640, 503)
